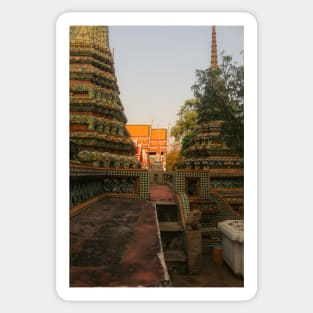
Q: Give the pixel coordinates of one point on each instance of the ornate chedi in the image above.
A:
(98, 135)
(207, 151)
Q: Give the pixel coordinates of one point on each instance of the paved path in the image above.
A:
(161, 193)
(116, 243)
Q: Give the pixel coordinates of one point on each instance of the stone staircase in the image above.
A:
(172, 236)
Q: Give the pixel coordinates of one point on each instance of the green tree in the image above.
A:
(187, 120)
(219, 95)
(233, 127)
(173, 156)
(186, 141)
(219, 91)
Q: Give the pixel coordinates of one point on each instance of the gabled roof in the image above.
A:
(159, 134)
(145, 130)
(139, 130)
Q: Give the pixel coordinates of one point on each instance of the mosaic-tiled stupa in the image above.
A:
(98, 135)
(207, 151)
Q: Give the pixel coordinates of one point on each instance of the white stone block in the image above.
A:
(233, 244)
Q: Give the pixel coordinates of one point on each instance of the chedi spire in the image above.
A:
(213, 49)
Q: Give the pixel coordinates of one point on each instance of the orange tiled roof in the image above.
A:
(142, 140)
(139, 130)
(159, 133)
(158, 142)
(151, 139)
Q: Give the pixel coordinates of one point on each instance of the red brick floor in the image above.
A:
(116, 243)
(161, 193)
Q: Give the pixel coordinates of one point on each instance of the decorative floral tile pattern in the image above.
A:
(118, 183)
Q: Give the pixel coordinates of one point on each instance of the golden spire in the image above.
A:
(90, 35)
(213, 50)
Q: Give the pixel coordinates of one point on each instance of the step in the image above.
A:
(167, 212)
(170, 227)
(175, 256)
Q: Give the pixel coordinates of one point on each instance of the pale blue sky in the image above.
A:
(155, 66)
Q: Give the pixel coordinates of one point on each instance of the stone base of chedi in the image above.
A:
(206, 151)
(105, 160)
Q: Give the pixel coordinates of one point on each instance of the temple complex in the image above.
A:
(132, 223)
(151, 145)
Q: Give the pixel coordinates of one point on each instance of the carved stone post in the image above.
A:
(194, 251)
(193, 241)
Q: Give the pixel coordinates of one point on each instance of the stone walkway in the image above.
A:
(115, 243)
(159, 193)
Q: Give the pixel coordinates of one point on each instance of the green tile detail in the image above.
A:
(98, 175)
(184, 201)
(180, 183)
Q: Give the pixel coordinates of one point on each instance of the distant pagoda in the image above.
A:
(206, 150)
(98, 135)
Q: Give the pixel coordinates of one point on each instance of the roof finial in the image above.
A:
(213, 50)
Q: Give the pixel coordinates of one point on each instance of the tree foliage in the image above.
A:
(219, 95)
(187, 120)
(186, 141)
(173, 157)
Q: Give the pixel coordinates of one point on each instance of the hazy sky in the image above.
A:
(155, 66)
